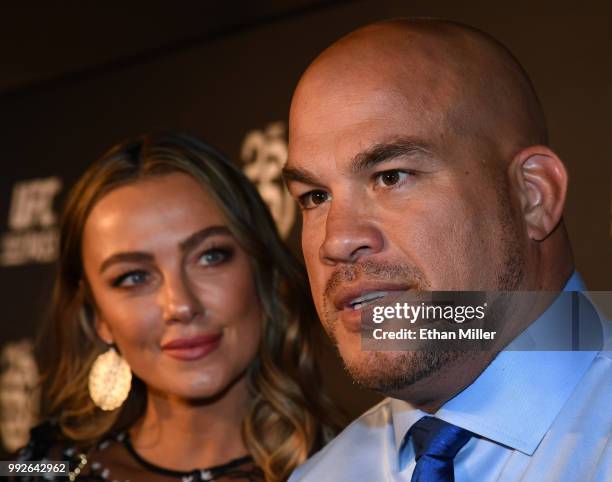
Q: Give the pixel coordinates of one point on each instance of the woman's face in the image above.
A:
(172, 287)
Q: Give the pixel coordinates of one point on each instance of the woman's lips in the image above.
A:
(192, 348)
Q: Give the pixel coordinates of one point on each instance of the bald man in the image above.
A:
(418, 153)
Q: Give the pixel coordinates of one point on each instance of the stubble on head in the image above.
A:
(389, 372)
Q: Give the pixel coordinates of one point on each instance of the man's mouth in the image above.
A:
(350, 299)
(356, 297)
(366, 299)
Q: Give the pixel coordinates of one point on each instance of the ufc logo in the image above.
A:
(32, 203)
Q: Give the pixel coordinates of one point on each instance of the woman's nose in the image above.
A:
(179, 301)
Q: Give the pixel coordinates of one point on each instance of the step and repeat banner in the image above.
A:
(235, 92)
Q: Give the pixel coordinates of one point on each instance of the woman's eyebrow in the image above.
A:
(130, 256)
(196, 238)
(186, 245)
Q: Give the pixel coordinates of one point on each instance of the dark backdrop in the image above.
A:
(78, 79)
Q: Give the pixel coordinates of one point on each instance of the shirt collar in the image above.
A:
(502, 404)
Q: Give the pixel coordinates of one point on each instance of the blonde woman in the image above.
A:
(181, 329)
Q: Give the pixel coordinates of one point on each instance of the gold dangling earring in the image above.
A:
(110, 379)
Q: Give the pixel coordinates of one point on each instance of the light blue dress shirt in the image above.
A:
(538, 416)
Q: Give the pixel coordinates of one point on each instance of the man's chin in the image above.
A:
(389, 372)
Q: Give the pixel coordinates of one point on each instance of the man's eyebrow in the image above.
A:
(299, 174)
(376, 154)
(387, 151)
(191, 242)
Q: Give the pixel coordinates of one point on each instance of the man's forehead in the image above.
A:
(312, 113)
(332, 103)
(339, 125)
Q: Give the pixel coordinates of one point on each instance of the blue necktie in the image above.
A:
(436, 443)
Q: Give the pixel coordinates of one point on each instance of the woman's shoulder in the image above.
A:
(47, 444)
(44, 438)
(114, 458)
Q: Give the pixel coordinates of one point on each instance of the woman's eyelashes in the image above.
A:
(215, 255)
(210, 257)
(130, 279)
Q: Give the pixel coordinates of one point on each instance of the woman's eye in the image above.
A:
(312, 199)
(131, 278)
(214, 256)
(392, 177)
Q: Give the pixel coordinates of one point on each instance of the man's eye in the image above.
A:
(214, 256)
(391, 178)
(312, 199)
(130, 279)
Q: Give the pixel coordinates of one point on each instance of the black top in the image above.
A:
(114, 459)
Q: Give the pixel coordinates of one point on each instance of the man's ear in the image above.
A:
(541, 179)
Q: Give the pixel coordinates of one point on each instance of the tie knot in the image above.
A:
(437, 438)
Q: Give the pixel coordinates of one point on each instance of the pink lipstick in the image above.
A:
(194, 348)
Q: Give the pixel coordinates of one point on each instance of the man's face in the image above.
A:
(394, 198)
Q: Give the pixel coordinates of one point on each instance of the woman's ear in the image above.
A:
(91, 317)
(103, 330)
(541, 179)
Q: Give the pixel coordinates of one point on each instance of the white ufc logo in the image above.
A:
(32, 203)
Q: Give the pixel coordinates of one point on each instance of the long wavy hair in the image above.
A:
(289, 417)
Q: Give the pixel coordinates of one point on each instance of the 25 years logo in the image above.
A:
(264, 153)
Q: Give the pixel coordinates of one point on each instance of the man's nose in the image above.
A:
(179, 301)
(349, 234)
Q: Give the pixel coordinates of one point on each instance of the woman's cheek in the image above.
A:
(136, 327)
(240, 310)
